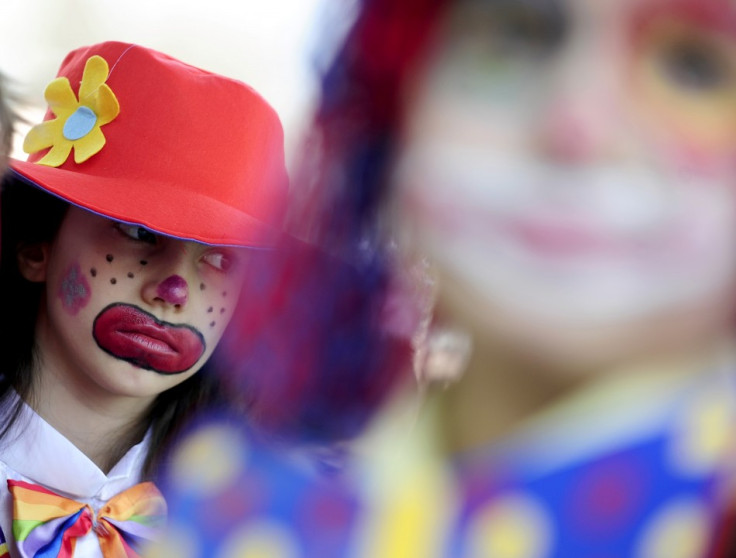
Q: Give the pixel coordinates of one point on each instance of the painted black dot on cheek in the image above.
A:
(113, 280)
(222, 310)
(202, 286)
(109, 257)
(210, 309)
(144, 262)
(224, 294)
(130, 274)
(93, 272)
(212, 324)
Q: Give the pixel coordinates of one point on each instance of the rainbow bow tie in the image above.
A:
(47, 525)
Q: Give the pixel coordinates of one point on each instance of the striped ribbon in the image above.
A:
(47, 525)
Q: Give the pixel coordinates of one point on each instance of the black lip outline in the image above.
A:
(137, 362)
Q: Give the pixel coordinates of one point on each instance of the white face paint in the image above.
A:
(570, 244)
(570, 168)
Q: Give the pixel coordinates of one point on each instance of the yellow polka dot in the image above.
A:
(409, 520)
(209, 460)
(704, 433)
(176, 541)
(679, 530)
(515, 526)
(264, 539)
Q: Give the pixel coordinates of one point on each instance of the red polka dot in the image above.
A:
(606, 497)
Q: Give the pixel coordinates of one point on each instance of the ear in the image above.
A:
(33, 260)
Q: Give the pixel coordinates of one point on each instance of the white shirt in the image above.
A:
(33, 451)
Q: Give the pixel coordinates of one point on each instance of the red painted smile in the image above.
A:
(131, 334)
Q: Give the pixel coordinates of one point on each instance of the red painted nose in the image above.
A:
(173, 290)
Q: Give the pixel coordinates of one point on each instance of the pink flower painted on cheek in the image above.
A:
(74, 290)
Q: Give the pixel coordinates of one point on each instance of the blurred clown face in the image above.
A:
(570, 165)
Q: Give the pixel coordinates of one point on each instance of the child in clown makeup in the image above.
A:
(123, 259)
(123, 314)
(567, 168)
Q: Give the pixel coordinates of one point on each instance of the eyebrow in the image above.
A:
(713, 15)
(542, 6)
(551, 11)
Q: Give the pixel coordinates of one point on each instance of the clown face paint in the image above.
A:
(74, 291)
(174, 289)
(132, 334)
(131, 328)
(549, 170)
(581, 245)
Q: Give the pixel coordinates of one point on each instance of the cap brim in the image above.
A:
(185, 214)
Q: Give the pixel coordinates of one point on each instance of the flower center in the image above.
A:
(80, 123)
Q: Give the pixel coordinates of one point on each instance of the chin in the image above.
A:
(135, 382)
(569, 349)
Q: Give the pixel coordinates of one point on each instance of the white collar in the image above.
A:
(36, 450)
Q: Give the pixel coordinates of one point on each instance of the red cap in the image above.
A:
(156, 142)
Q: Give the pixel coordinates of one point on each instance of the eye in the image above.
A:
(137, 232)
(695, 65)
(533, 30)
(486, 43)
(222, 261)
(510, 27)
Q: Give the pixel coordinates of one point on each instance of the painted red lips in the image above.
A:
(132, 334)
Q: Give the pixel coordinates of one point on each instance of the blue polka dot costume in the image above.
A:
(664, 489)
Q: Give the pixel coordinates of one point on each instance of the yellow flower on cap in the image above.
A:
(77, 123)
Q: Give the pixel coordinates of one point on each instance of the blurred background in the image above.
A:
(271, 45)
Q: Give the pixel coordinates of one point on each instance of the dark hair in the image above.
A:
(312, 353)
(355, 133)
(31, 216)
(307, 351)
